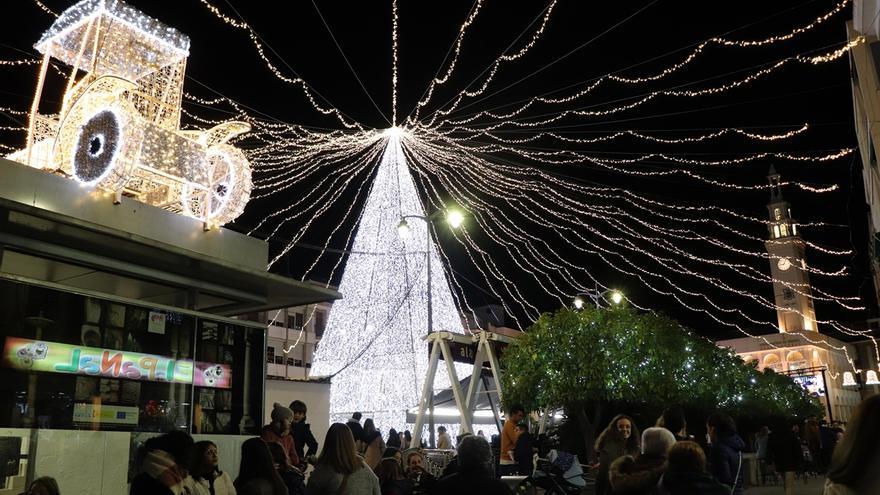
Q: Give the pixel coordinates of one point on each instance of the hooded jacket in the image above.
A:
(725, 462)
(637, 476)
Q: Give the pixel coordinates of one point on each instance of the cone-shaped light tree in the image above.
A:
(372, 346)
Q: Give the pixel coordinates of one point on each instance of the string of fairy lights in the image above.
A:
(513, 168)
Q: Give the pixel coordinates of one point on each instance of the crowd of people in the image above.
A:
(356, 460)
(665, 460)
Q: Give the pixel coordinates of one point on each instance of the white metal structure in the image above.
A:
(465, 401)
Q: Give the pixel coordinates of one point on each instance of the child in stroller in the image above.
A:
(559, 474)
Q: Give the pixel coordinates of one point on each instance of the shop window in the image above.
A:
(79, 362)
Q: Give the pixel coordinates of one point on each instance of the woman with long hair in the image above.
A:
(373, 444)
(339, 470)
(855, 463)
(620, 438)
(393, 439)
(204, 468)
(257, 474)
(392, 480)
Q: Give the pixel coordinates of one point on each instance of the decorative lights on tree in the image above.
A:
(373, 343)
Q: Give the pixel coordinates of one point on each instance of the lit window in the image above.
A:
(794, 229)
(776, 231)
(784, 229)
(777, 214)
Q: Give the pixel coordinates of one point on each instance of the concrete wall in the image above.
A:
(94, 462)
(316, 395)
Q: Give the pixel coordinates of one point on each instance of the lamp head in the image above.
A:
(455, 218)
(403, 229)
(578, 303)
(616, 296)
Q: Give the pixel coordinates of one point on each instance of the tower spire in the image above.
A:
(788, 266)
(775, 184)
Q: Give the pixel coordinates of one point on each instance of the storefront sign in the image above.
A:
(54, 357)
(99, 413)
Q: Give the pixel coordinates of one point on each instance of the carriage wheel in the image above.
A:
(227, 189)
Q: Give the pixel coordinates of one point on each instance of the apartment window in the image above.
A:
(320, 322)
(296, 321)
(270, 354)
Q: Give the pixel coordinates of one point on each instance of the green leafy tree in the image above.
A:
(587, 360)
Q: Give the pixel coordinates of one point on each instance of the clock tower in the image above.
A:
(791, 283)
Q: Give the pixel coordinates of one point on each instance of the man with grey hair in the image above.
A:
(474, 476)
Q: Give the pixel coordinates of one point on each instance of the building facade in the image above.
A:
(864, 63)
(821, 364)
(292, 338)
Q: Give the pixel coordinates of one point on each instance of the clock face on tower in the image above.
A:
(783, 264)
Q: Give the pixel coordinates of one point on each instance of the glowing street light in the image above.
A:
(403, 229)
(455, 218)
(614, 296)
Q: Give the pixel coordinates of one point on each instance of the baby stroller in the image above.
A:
(559, 474)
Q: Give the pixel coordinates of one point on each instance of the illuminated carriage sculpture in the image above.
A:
(119, 125)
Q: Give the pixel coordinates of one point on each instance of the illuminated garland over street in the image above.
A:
(530, 223)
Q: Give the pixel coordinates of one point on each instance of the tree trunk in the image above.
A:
(588, 425)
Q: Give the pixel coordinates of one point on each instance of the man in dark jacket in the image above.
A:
(785, 453)
(725, 452)
(302, 434)
(354, 424)
(524, 451)
(474, 476)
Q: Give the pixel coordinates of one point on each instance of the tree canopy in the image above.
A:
(585, 359)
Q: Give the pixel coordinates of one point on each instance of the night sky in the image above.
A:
(584, 40)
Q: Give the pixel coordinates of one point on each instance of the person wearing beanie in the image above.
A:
(641, 475)
(279, 431)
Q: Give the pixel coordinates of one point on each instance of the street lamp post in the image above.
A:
(455, 218)
(613, 295)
